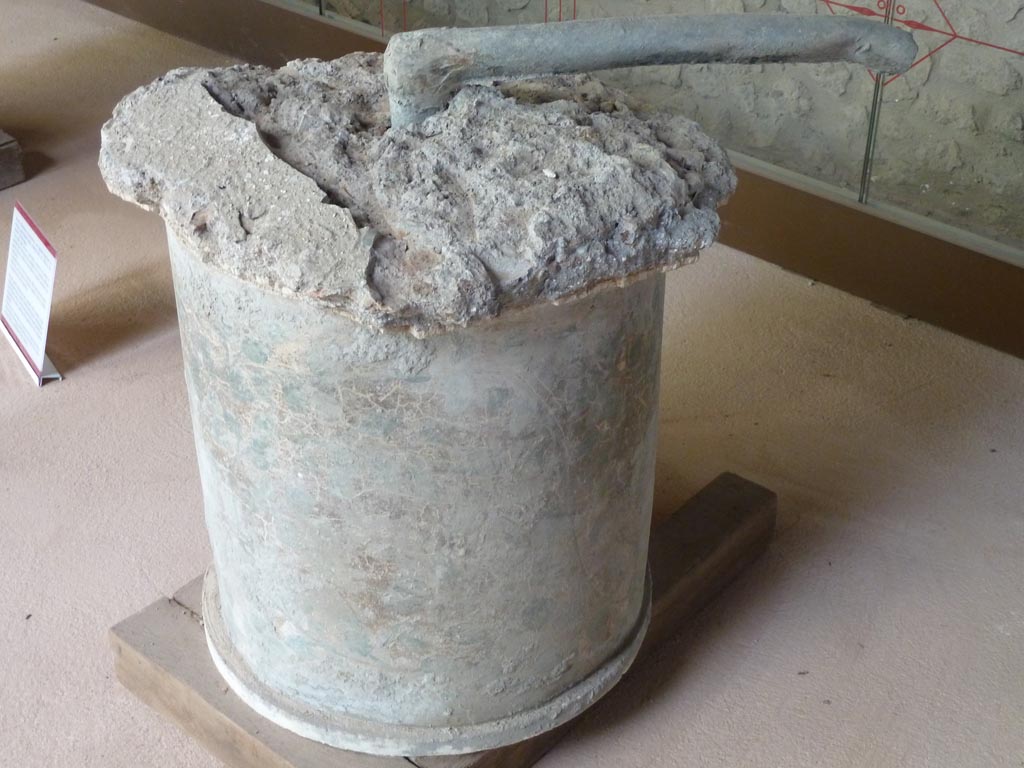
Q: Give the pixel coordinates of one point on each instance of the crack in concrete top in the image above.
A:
(517, 193)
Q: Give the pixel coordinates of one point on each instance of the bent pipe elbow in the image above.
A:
(425, 68)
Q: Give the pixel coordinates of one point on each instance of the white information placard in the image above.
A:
(28, 293)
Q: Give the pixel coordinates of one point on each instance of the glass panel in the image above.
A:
(951, 131)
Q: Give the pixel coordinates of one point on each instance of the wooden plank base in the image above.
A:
(161, 655)
(11, 169)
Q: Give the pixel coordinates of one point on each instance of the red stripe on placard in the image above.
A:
(21, 348)
(39, 233)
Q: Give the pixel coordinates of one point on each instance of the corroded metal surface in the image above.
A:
(425, 68)
(434, 536)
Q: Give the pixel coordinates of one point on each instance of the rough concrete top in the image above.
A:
(524, 192)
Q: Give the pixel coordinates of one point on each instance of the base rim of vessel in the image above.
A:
(359, 734)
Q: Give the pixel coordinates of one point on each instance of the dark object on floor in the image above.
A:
(11, 169)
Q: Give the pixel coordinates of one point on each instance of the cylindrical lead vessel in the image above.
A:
(422, 354)
(422, 545)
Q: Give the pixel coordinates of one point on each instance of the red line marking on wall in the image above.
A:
(926, 56)
(574, 10)
(856, 9)
(924, 27)
(545, 11)
(944, 16)
(559, 10)
(950, 33)
(382, 33)
(990, 45)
